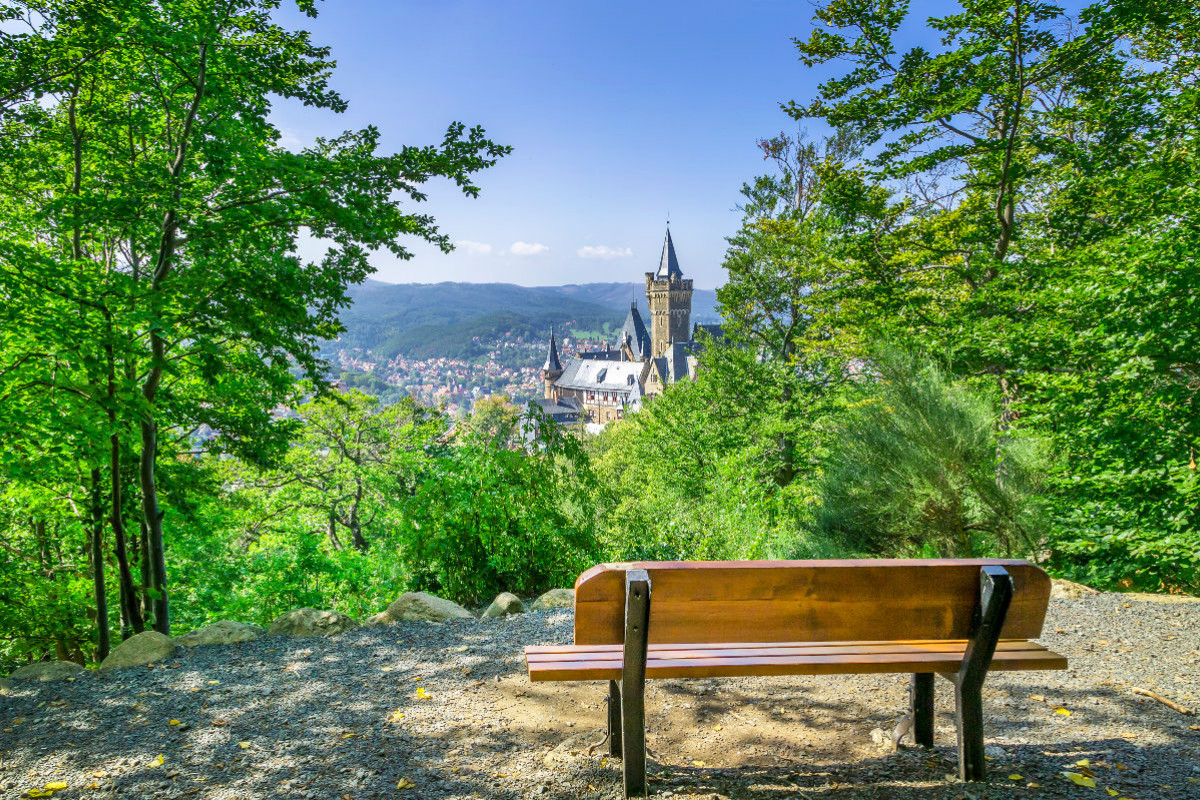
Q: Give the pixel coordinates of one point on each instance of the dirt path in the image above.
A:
(445, 711)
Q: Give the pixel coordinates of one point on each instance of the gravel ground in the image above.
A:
(445, 711)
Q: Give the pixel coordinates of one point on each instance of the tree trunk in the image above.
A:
(143, 597)
(153, 517)
(131, 614)
(96, 560)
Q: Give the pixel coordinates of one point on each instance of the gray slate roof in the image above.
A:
(552, 363)
(635, 330)
(565, 411)
(600, 376)
(668, 265)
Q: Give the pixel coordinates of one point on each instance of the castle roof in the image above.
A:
(564, 410)
(600, 376)
(552, 363)
(635, 330)
(668, 265)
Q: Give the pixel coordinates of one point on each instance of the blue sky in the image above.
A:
(619, 112)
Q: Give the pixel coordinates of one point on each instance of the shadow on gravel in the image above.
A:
(292, 718)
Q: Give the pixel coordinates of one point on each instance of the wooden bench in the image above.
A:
(705, 619)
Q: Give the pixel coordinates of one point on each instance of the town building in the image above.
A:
(602, 386)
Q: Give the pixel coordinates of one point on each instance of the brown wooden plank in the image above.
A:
(790, 665)
(775, 651)
(662, 647)
(770, 601)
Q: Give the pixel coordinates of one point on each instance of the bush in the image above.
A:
(919, 470)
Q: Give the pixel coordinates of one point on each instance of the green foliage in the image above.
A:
(920, 469)
(489, 518)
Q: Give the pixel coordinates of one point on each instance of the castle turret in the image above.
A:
(669, 296)
(552, 370)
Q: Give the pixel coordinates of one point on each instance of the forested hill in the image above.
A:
(422, 320)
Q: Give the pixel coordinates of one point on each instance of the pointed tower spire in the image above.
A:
(552, 363)
(668, 265)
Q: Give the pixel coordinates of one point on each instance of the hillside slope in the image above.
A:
(455, 320)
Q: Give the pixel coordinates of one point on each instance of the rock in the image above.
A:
(569, 749)
(506, 603)
(420, 606)
(555, 598)
(311, 622)
(47, 671)
(1070, 590)
(5, 686)
(141, 648)
(994, 750)
(225, 631)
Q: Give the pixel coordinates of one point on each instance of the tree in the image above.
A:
(151, 216)
(913, 471)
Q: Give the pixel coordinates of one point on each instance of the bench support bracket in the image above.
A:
(920, 708)
(614, 719)
(995, 594)
(632, 691)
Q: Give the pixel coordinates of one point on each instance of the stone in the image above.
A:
(1069, 590)
(505, 604)
(141, 648)
(225, 631)
(420, 606)
(5, 686)
(47, 671)
(994, 751)
(555, 598)
(312, 622)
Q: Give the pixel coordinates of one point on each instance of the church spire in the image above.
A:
(552, 363)
(668, 265)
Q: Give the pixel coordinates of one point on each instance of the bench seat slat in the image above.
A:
(586, 652)
(606, 665)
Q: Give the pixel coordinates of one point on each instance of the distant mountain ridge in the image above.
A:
(452, 320)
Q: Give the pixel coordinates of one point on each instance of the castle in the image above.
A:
(602, 386)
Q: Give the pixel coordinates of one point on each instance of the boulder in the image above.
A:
(506, 603)
(555, 598)
(311, 622)
(141, 648)
(225, 631)
(5, 686)
(420, 606)
(1070, 590)
(47, 671)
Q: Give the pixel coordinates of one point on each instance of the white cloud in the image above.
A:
(528, 249)
(474, 248)
(604, 252)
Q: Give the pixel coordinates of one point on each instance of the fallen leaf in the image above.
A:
(348, 735)
(1112, 792)
(1015, 778)
(405, 783)
(717, 727)
(1062, 712)
(174, 722)
(1080, 780)
(213, 683)
(1083, 762)
(158, 762)
(1041, 698)
(244, 745)
(395, 716)
(699, 764)
(421, 693)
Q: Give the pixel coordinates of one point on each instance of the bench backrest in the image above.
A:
(806, 601)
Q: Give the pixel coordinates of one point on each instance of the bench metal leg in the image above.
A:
(633, 682)
(614, 719)
(995, 594)
(920, 707)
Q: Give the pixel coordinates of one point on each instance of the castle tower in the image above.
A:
(669, 296)
(552, 370)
